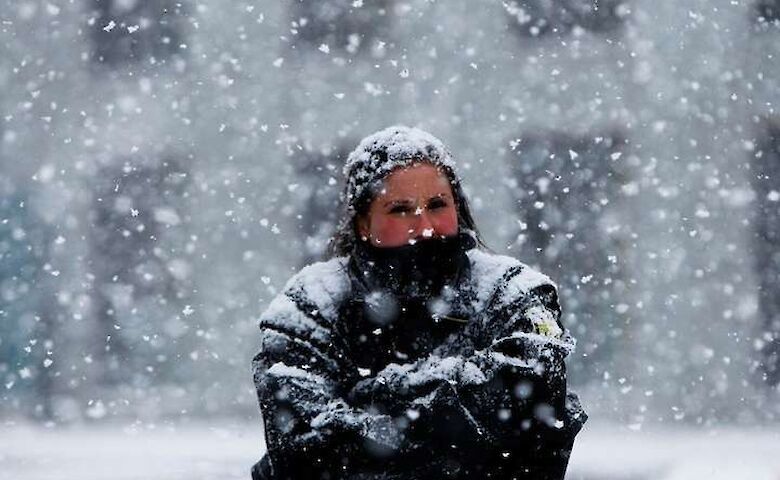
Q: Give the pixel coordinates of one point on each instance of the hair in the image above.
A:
(344, 240)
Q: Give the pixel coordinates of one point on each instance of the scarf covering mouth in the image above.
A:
(416, 271)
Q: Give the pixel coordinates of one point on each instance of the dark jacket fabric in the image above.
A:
(356, 381)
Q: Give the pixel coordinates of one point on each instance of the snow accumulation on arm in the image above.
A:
(518, 305)
(512, 367)
(297, 373)
(517, 386)
(522, 323)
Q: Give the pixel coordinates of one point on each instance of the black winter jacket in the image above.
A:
(355, 384)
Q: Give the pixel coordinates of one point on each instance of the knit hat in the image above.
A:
(374, 158)
(381, 152)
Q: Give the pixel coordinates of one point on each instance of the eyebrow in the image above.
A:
(398, 202)
(443, 195)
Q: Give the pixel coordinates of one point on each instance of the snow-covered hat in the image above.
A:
(374, 158)
(383, 151)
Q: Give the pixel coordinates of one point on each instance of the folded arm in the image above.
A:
(504, 371)
(310, 428)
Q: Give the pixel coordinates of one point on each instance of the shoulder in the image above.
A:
(513, 290)
(322, 285)
(311, 297)
(502, 280)
(296, 327)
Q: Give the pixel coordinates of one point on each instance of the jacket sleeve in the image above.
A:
(506, 373)
(310, 429)
(516, 385)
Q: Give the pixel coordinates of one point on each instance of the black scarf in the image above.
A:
(413, 272)
(395, 291)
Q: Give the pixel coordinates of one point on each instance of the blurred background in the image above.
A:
(166, 166)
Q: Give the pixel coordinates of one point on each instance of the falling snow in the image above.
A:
(166, 167)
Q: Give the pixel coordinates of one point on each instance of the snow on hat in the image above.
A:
(383, 151)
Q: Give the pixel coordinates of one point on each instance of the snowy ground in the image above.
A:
(609, 453)
(225, 451)
(216, 451)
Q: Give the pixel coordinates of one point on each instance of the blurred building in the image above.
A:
(182, 159)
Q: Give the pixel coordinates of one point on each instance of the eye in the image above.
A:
(437, 203)
(400, 209)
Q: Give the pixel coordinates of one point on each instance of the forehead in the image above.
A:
(417, 178)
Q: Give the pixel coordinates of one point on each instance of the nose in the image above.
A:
(424, 226)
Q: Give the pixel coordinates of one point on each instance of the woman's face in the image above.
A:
(415, 202)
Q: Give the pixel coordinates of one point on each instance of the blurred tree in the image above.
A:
(320, 204)
(566, 187)
(129, 31)
(140, 285)
(765, 179)
(535, 18)
(28, 310)
(347, 26)
(766, 13)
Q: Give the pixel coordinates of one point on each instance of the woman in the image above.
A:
(413, 352)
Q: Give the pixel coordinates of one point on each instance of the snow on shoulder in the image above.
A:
(324, 284)
(501, 280)
(504, 274)
(487, 270)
